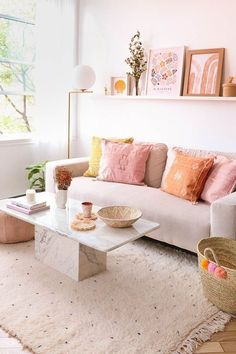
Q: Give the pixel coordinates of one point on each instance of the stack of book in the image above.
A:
(21, 204)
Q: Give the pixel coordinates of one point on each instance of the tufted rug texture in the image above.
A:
(149, 301)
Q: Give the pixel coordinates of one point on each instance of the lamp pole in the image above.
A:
(70, 93)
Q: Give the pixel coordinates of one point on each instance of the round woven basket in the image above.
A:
(119, 216)
(221, 252)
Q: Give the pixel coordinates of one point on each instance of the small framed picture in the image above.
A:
(119, 85)
(165, 71)
(203, 72)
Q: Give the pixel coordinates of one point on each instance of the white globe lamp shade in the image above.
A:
(84, 77)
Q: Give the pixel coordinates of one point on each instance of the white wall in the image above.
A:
(14, 157)
(55, 43)
(106, 27)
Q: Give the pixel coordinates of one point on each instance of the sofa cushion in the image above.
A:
(96, 153)
(182, 224)
(221, 180)
(123, 163)
(155, 165)
(171, 154)
(187, 176)
(197, 152)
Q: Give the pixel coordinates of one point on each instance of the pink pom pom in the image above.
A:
(220, 273)
(211, 267)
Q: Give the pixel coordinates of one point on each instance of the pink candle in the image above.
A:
(87, 209)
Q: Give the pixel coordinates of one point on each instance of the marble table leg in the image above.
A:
(67, 255)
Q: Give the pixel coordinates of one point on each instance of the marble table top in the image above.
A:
(102, 238)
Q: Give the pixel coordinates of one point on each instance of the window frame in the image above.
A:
(26, 135)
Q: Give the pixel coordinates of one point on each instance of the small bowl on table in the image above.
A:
(119, 216)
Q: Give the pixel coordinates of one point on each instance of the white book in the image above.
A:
(22, 202)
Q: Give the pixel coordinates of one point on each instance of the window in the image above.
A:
(17, 62)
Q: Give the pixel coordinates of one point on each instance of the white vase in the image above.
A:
(61, 198)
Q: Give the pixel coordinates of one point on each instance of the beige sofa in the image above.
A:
(182, 223)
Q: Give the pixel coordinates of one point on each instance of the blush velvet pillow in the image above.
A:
(96, 153)
(221, 180)
(124, 163)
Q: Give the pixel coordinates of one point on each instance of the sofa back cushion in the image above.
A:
(171, 154)
(155, 165)
(221, 180)
(201, 152)
(124, 163)
(187, 176)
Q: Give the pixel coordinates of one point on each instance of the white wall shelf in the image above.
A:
(177, 98)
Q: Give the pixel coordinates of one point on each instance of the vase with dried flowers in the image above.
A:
(63, 180)
(137, 60)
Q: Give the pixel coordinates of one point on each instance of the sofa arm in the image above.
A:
(223, 217)
(77, 166)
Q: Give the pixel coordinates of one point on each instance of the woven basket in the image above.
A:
(219, 252)
(119, 216)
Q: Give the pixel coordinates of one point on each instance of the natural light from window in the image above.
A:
(17, 58)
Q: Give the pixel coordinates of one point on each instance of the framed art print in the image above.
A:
(165, 71)
(203, 72)
(119, 85)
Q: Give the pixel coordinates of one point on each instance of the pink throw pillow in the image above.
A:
(124, 163)
(221, 180)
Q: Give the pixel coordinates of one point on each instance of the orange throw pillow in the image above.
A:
(187, 176)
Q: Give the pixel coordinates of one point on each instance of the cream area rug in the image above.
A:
(149, 301)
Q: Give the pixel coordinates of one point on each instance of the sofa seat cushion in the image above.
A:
(182, 223)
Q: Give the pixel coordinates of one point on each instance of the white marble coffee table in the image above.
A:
(78, 254)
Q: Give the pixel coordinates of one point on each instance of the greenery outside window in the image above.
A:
(17, 64)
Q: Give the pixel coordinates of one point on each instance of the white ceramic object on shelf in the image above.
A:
(61, 198)
(119, 216)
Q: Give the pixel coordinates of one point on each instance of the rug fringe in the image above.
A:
(12, 334)
(203, 333)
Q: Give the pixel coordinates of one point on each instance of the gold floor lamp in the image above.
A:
(84, 79)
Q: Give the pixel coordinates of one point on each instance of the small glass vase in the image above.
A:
(134, 86)
(61, 198)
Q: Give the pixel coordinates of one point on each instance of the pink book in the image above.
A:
(27, 211)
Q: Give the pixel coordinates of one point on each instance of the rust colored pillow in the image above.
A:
(187, 176)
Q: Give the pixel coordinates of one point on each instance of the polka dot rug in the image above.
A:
(148, 301)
